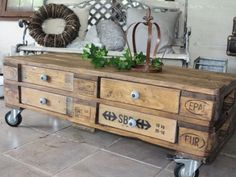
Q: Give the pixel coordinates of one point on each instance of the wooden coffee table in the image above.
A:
(190, 111)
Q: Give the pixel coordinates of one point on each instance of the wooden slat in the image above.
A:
(85, 87)
(55, 103)
(194, 140)
(166, 78)
(84, 111)
(197, 108)
(56, 79)
(150, 96)
(10, 73)
(149, 125)
(11, 94)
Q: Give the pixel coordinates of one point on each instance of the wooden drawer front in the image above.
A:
(149, 125)
(196, 108)
(56, 103)
(149, 96)
(56, 79)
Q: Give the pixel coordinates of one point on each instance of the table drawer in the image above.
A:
(47, 77)
(149, 125)
(49, 101)
(140, 94)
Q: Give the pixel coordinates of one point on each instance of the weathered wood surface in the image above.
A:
(55, 78)
(54, 102)
(149, 125)
(149, 96)
(179, 78)
(84, 111)
(196, 108)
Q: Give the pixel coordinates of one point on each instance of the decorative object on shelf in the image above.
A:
(149, 65)
(99, 58)
(72, 25)
(136, 61)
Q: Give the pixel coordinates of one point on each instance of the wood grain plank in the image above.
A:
(149, 125)
(85, 87)
(55, 103)
(56, 79)
(10, 73)
(150, 96)
(166, 78)
(11, 94)
(197, 108)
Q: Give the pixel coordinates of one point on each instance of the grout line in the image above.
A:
(114, 142)
(85, 158)
(37, 139)
(163, 169)
(28, 165)
(228, 155)
(130, 158)
(43, 131)
(31, 142)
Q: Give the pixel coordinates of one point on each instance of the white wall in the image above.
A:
(211, 22)
(10, 35)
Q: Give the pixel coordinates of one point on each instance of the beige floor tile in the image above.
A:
(52, 154)
(43, 122)
(12, 168)
(165, 173)
(221, 167)
(104, 164)
(98, 138)
(11, 138)
(230, 147)
(141, 151)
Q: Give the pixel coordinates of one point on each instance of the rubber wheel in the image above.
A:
(18, 119)
(179, 167)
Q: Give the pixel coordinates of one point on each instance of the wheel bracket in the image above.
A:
(190, 166)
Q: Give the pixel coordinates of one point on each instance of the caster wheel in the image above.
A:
(179, 171)
(13, 120)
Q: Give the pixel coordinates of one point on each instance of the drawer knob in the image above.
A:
(135, 95)
(43, 101)
(43, 77)
(132, 123)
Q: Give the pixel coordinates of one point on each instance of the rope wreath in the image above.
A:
(54, 11)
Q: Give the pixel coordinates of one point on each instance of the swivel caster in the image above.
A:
(13, 118)
(180, 171)
(186, 167)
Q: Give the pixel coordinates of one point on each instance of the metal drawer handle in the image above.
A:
(132, 123)
(43, 101)
(135, 95)
(43, 77)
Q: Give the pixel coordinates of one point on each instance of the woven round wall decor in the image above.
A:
(54, 11)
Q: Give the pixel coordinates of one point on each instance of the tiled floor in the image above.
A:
(44, 146)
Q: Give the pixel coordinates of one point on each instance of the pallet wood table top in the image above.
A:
(175, 77)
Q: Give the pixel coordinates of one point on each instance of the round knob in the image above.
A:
(132, 123)
(43, 77)
(135, 95)
(43, 101)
